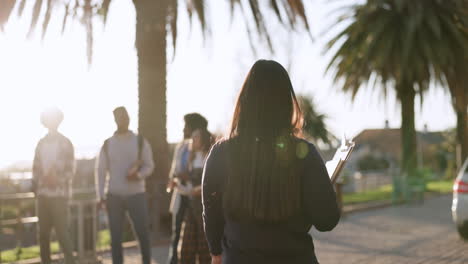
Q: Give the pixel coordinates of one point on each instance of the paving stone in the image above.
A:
(400, 234)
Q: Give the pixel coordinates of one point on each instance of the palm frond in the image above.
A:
(35, 16)
(232, 6)
(314, 122)
(104, 10)
(65, 17)
(172, 21)
(275, 7)
(290, 14)
(84, 10)
(21, 6)
(5, 11)
(257, 15)
(87, 21)
(49, 8)
(198, 7)
(249, 31)
(76, 7)
(298, 10)
(260, 22)
(292, 9)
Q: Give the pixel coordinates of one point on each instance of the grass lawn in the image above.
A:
(33, 252)
(385, 192)
(382, 193)
(25, 253)
(103, 239)
(441, 186)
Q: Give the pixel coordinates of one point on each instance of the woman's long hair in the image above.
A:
(264, 184)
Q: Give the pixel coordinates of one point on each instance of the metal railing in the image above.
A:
(361, 181)
(16, 197)
(18, 221)
(83, 217)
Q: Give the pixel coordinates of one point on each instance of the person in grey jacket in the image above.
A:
(125, 161)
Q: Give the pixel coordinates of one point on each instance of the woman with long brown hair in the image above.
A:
(264, 187)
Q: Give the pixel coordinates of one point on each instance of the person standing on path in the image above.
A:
(53, 169)
(194, 248)
(125, 161)
(264, 186)
(179, 174)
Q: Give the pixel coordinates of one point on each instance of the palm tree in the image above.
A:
(455, 74)
(314, 122)
(153, 19)
(401, 44)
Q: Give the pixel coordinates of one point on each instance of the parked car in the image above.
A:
(460, 201)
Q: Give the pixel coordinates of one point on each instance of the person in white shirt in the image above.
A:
(53, 169)
(125, 161)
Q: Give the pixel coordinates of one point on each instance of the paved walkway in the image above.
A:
(402, 234)
(132, 256)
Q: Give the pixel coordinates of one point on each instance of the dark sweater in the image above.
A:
(286, 242)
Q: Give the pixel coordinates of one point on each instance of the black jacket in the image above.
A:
(288, 242)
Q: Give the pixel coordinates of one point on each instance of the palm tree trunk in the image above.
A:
(459, 92)
(408, 131)
(151, 50)
(460, 105)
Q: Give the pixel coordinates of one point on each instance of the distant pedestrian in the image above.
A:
(125, 161)
(194, 247)
(179, 174)
(53, 169)
(264, 187)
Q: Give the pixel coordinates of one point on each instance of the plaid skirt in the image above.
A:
(193, 245)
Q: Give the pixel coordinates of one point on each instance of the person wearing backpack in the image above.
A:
(125, 161)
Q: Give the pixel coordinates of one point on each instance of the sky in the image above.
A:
(204, 76)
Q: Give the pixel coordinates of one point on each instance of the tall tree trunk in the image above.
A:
(408, 130)
(460, 102)
(458, 87)
(151, 50)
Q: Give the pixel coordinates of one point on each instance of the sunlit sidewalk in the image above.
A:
(132, 255)
(412, 233)
(160, 252)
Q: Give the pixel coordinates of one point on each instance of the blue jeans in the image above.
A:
(177, 221)
(137, 208)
